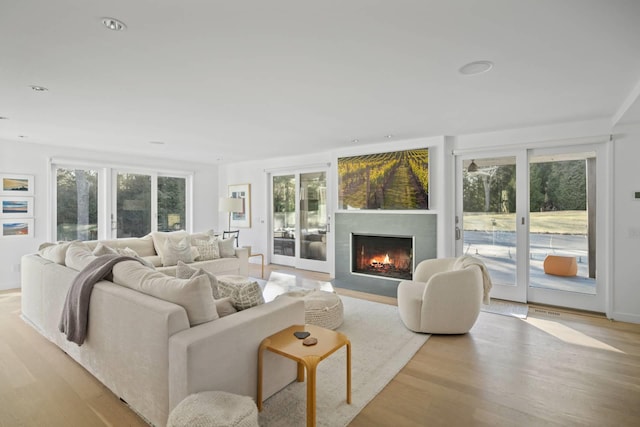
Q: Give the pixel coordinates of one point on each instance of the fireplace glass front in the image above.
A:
(383, 256)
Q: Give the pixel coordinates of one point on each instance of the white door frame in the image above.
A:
(296, 261)
(522, 292)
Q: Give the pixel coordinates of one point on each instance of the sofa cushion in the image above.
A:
(204, 235)
(160, 237)
(183, 271)
(194, 294)
(55, 252)
(174, 251)
(103, 249)
(142, 245)
(78, 256)
(226, 246)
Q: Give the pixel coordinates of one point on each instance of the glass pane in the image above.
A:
(560, 222)
(489, 205)
(313, 216)
(133, 205)
(77, 204)
(284, 215)
(171, 203)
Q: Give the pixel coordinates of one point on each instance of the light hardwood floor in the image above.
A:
(557, 367)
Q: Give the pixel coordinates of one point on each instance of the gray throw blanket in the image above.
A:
(75, 314)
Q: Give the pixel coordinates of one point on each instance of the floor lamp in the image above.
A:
(230, 205)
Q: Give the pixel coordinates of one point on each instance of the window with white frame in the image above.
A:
(102, 202)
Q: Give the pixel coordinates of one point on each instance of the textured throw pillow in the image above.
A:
(172, 252)
(244, 293)
(225, 307)
(78, 256)
(183, 271)
(227, 249)
(194, 294)
(207, 248)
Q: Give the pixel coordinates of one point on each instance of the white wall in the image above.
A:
(33, 159)
(626, 224)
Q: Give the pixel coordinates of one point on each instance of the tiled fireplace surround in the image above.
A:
(420, 225)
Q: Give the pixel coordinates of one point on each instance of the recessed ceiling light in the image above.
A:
(114, 24)
(157, 142)
(4, 118)
(388, 136)
(39, 88)
(477, 67)
(355, 140)
(22, 136)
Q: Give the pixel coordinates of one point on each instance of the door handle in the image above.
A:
(458, 233)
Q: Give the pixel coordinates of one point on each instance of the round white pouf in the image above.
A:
(214, 409)
(321, 308)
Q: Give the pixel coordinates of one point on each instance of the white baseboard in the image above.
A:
(626, 317)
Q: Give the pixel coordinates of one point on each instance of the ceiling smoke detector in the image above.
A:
(476, 67)
(114, 24)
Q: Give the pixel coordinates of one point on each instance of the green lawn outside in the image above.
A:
(557, 222)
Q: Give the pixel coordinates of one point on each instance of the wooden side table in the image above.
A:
(286, 344)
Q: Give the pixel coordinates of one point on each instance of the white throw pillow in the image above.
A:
(227, 249)
(55, 252)
(183, 271)
(193, 294)
(160, 237)
(102, 249)
(172, 252)
(78, 256)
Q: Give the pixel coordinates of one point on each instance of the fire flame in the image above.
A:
(386, 259)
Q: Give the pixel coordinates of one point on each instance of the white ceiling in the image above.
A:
(253, 79)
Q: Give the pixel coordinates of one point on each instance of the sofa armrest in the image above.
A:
(223, 354)
(243, 256)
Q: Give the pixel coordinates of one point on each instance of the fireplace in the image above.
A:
(389, 257)
(418, 228)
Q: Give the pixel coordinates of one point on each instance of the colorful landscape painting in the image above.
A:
(15, 184)
(15, 207)
(17, 228)
(395, 180)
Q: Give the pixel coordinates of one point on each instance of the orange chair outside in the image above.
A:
(560, 265)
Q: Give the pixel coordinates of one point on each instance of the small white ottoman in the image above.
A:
(321, 308)
(214, 409)
(243, 291)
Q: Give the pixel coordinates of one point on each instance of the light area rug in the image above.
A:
(506, 308)
(380, 347)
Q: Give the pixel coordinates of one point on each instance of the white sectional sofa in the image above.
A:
(144, 349)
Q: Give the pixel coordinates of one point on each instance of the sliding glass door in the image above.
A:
(532, 217)
(300, 220)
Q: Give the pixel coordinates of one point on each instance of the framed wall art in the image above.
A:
(241, 219)
(16, 207)
(12, 228)
(16, 185)
(395, 180)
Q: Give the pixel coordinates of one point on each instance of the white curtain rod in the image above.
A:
(539, 144)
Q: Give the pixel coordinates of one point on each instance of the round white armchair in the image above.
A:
(444, 296)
